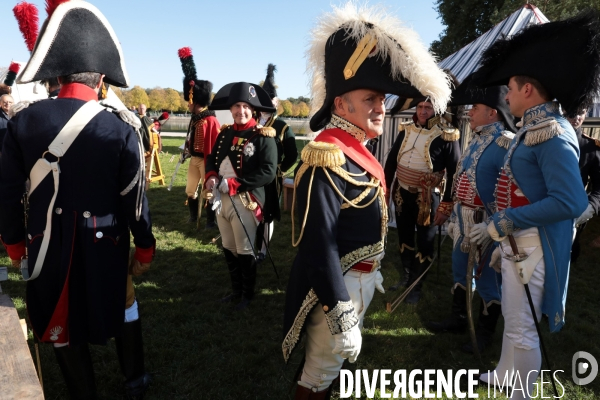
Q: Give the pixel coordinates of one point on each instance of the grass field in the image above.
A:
(197, 348)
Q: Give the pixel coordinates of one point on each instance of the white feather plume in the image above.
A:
(412, 61)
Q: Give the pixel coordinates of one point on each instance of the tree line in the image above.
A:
(159, 99)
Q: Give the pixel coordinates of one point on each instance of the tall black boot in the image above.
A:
(210, 217)
(235, 273)
(457, 322)
(75, 363)
(248, 264)
(486, 326)
(416, 270)
(407, 260)
(130, 350)
(193, 206)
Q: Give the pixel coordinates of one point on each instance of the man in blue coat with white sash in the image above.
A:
(539, 191)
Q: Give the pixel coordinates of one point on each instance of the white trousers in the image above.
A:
(233, 235)
(519, 326)
(322, 366)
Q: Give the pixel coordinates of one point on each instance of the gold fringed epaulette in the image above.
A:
(542, 132)
(597, 141)
(224, 126)
(322, 154)
(450, 134)
(505, 139)
(267, 131)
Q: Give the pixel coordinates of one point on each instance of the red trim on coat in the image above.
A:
(355, 150)
(57, 330)
(211, 131)
(144, 255)
(77, 91)
(15, 251)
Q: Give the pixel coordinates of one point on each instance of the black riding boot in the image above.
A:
(248, 264)
(486, 326)
(210, 217)
(416, 270)
(193, 206)
(457, 322)
(235, 272)
(407, 260)
(75, 363)
(130, 350)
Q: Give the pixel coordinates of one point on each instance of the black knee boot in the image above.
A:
(193, 206)
(130, 350)
(75, 363)
(210, 217)
(486, 326)
(235, 272)
(457, 322)
(407, 260)
(248, 264)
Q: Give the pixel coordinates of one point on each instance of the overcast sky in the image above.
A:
(232, 40)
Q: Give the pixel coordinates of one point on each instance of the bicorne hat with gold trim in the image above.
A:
(76, 38)
(359, 47)
(564, 56)
(245, 92)
(195, 91)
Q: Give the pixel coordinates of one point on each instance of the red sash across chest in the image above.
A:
(466, 193)
(508, 194)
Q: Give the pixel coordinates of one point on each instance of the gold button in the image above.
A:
(348, 73)
(325, 308)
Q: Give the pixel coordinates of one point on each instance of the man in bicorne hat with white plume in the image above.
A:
(356, 56)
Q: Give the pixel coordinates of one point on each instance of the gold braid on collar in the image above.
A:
(354, 131)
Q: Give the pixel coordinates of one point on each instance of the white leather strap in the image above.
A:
(42, 167)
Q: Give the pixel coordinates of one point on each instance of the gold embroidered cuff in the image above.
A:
(445, 208)
(342, 318)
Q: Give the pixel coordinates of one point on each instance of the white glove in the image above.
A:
(586, 215)
(347, 344)
(223, 186)
(496, 260)
(491, 229)
(479, 233)
(378, 282)
(451, 226)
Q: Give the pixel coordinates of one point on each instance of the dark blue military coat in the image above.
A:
(85, 270)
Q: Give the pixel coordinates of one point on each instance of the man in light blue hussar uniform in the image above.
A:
(474, 185)
(539, 192)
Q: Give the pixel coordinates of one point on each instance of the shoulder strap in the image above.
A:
(42, 167)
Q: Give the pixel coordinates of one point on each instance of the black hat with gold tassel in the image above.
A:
(195, 91)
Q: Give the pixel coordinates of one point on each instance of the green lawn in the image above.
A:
(197, 348)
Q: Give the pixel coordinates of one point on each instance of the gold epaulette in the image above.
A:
(450, 134)
(542, 132)
(403, 124)
(597, 141)
(223, 127)
(266, 131)
(505, 139)
(322, 154)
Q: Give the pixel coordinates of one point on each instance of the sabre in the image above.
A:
(518, 257)
(184, 156)
(214, 240)
(477, 217)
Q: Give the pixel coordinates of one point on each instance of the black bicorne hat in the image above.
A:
(492, 96)
(245, 92)
(76, 38)
(195, 90)
(365, 48)
(564, 56)
(269, 85)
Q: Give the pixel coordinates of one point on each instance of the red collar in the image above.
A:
(355, 150)
(248, 125)
(77, 91)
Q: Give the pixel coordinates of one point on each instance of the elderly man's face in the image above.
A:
(424, 112)
(364, 108)
(6, 103)
(142, 109)
(241, 113)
